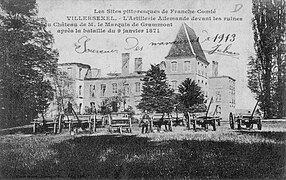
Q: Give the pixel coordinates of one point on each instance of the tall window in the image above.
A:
(70, 71)
(187, 66)
(79, 108)
(114, 88)
(79, 73)
(102, 90)
(174, 84)
(79, 90)
(218, 110)
(137, 87)
(126, 89)
(218, 96)
(92, 107)
(92, 90)
(174, 66)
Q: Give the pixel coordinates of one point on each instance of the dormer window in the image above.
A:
(187, 66)
(174, 66)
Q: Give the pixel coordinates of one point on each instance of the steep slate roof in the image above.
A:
(186, 44)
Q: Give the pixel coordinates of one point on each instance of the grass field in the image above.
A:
(183, 153)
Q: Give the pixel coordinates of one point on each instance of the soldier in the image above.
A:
(145, 121)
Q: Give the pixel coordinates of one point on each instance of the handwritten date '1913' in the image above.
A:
(220, 38)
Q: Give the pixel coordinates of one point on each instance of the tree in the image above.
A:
(111, 104)
(266, 74)
(190, 96)
(26, 56)
(64, 86)
(156, 95)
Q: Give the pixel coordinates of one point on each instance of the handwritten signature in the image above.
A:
(219, 49)
(132, 43)
(82, 47)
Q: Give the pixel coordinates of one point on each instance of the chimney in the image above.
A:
(95, 72)
(215, 69)
(138, 64)
(125, 63)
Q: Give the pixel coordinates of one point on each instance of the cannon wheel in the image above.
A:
(239, 124)
(214, 126)
(120, 130)
(194, 125)
(231, 121)
(171, 126)
(259, 124)
(110, 129)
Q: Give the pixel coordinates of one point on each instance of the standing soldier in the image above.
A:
(145, 121)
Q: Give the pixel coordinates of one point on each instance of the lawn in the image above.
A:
(183, 153)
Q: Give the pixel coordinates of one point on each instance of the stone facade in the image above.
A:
(185, 59)
(127, 86)
(222, 89)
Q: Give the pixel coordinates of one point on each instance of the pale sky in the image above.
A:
(240, 32)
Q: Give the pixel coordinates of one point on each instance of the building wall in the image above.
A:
(91, 88)
(198, 71)
(77, 72)
(222, 89)
(128, 83)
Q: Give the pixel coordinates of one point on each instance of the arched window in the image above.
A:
(218, 96)
(174, 85)
(174, 66)
(187, 66)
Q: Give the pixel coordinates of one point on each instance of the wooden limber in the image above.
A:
(76, 121)
(202, 120)
(80, 121)
(178, 119)
(47, 123)
(159, 119)
(120, 121)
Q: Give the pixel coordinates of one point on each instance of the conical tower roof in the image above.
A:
(186, 44)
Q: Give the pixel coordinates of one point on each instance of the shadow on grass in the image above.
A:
(17, 130)
(122, 157)
(277, 136)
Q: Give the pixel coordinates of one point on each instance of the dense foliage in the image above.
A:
(111, 104)
(267, 71)
(157, 96)
(26, 56)
(191, 96)
(64, 86)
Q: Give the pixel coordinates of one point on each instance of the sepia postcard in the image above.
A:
(147, 89)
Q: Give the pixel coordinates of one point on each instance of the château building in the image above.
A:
(185, 59)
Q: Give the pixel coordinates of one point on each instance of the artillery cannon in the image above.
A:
(204, 120)
(246, 120)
